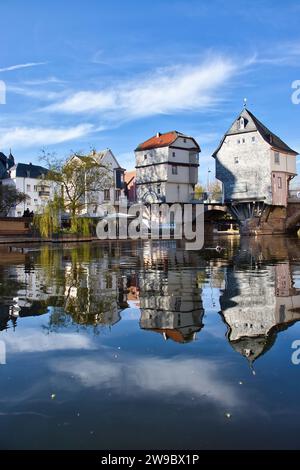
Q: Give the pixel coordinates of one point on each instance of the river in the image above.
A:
(143, 345)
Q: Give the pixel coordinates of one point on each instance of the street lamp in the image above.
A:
(208, 183)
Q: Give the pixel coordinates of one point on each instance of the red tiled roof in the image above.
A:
(162, 140)
(158, 140)
(175, 335)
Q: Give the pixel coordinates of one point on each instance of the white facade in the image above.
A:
(255, 310)
(38, 190)
(167, 168)
(253, 163)
(114, 194)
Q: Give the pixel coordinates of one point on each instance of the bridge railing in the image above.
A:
(294, 195)
(207, 197)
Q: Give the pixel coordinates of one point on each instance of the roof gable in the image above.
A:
(163, 140)
(251, 123)
(105, 157)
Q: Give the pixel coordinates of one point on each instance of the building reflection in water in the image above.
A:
(78, 284)
(90, 285)
(170, 299)
(171, 304)
(257, 304)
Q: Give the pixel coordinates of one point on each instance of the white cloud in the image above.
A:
(178, 88)
(21, 66)
(39, 136)
(172, 377)
(33, 341)
(282, 54)
(35, 93)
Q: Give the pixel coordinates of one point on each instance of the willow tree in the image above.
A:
(81, 178)
(48, 222)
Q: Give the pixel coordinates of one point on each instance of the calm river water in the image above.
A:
(146, 346)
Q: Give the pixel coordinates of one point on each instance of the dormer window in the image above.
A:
(241, 123)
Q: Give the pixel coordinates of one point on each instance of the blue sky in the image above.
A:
(82, 74)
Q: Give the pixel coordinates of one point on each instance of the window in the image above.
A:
(243, 140)
(241, 123)
(173, 154)
(117, 194)
(28, 187)
(19, 214)
(106, 195)
(34, 188)
(276, 157)
(35, 200)
(145, 156)
(174, 170)
(158, 189)
(238, 141)
(253, 139)
(279, 182)
(184, 140)
(236, 159)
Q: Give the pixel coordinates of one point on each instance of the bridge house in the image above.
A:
(253, 164)
(167, 168)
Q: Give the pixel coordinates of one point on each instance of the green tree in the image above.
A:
(80, 177)
(199, 190)
(48, 222)
(215, 190)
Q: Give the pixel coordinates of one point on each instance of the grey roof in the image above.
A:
(3, 157)
(272, 139)
(5, 164)
(25, 170)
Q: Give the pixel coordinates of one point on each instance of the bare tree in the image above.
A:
(9, 197)
(80, 177)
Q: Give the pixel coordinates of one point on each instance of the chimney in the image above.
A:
(158, 134)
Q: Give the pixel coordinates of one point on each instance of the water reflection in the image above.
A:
(91, 286)
(256, 305)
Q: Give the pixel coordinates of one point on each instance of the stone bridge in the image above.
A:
(257, 218)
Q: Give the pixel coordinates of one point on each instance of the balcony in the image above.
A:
(44, 193)
(194, 158)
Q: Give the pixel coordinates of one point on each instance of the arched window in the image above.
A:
(241, 123)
